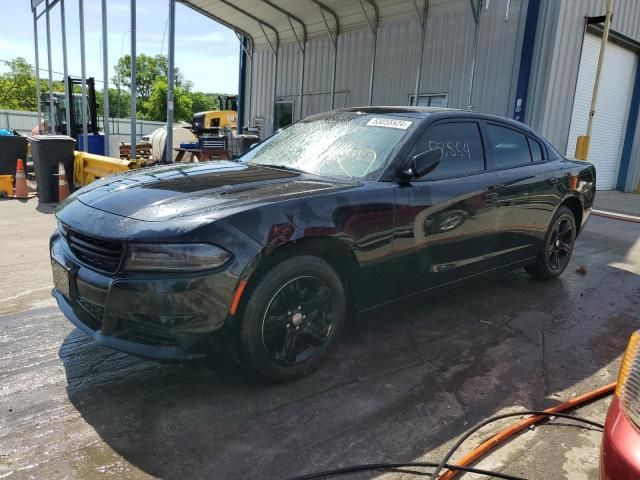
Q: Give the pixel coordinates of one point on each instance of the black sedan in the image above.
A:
(337, 213)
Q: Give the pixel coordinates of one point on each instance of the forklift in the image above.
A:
(60, 109)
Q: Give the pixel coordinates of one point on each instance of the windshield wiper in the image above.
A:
(279, 167)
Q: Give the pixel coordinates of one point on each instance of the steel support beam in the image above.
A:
(105, 73)
(324, 10)
(65, 68)
(239, 32)
(171, 82)
(242, 83)
(246, 44)
(83, 68)
(49, 63)
(133, 154)
(423, 24)
(274, 46)
(274, 50)
(35, 41)
(301, 45)
(373, 26)
(476, 10)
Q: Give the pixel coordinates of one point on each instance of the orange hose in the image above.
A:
(508, 432)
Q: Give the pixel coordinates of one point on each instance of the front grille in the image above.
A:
(101, 254)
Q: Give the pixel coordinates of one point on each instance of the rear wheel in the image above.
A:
(556, 252)
(292, 319)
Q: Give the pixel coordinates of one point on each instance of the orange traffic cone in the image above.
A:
(63, 186)
(21, 181)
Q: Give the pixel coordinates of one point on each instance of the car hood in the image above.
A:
(211, 189)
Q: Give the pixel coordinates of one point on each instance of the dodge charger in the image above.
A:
(268, 256)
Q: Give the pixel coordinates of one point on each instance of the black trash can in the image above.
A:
(47, 151)
(12, 147)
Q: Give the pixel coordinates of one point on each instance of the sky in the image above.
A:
(206, 53)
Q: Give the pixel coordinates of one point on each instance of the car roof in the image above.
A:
(437, 113)
(398, 109)
(432, 113)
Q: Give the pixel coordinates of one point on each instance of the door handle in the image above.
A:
(553, 180)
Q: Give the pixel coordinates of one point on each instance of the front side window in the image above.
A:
(508, 147)
(461, 147)
(343, 144)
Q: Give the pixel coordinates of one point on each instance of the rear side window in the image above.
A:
(461, 147)
(536, 150)
(508, 147)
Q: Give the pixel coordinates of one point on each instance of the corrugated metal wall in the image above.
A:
(633, 174)
(556, 61)
(446, 68)
(447, 64)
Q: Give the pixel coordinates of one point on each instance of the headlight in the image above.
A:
(174, 257)
(628, 387)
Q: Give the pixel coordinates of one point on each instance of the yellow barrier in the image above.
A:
(89, 167)
(6, 186)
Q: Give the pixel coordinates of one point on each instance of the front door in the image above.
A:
(445, 221)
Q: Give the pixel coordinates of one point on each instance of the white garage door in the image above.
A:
(616, 85)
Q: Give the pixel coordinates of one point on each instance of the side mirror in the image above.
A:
(425, 162)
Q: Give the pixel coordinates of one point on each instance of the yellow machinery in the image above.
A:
(214, 120)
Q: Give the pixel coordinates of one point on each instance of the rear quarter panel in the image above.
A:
(581, 183)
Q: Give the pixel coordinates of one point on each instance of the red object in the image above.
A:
(63, 186)
(620, 451)
(21, 181)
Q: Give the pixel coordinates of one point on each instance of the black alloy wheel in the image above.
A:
(556, 251)
(560, 244)
(292, 318)
(298, 320)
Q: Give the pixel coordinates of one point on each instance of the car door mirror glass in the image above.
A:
(425, 162)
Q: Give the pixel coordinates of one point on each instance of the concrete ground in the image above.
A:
(405, 382)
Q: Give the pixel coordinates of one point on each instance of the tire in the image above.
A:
(278, 341)
(555, 254)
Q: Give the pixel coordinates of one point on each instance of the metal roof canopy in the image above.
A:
(271, 23)
(275, 23)
(346, 14)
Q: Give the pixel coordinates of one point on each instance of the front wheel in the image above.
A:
(556, 251)
(293, 317)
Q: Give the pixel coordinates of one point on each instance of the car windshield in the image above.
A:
(346, 144)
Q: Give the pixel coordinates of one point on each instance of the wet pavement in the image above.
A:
(403, 384)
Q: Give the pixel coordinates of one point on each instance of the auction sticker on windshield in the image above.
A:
(389, 123)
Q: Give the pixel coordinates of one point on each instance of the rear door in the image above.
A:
(529, 190)
(445, 221)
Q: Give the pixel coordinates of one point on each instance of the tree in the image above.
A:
(202, 102)
(18, 86)
(156, 106)
(119, 103)
(148, 70)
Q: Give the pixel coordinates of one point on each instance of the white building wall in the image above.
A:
(552, 87)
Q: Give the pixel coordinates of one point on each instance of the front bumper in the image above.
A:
(153, 315)
(620, 451)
